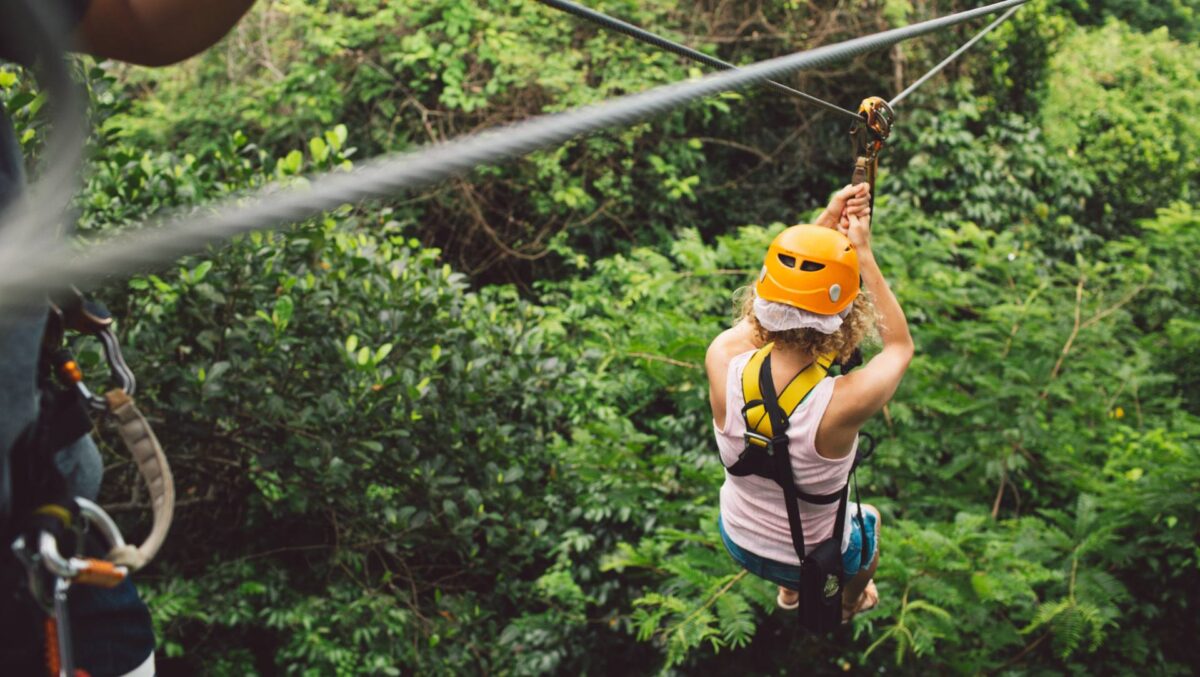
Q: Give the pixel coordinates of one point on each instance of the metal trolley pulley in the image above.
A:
(869, 136)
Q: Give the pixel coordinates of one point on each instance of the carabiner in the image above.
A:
(878, 117)
(51, 575)
(47, 558)
(78, 314)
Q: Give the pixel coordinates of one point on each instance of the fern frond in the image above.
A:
(1047, 612)
(922, 605)
(736, 620)
(1068, 631)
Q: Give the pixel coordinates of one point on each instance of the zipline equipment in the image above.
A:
(767, 417)
(46, 518)
(51, 573)
(612, 23)
(84, 317)
(27, 270)
(79, 315)
(878, 115)
(875, 114)
(869, 135)
(811, 268)
(47, 526)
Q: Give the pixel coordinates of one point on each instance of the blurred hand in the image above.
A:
(156, 32)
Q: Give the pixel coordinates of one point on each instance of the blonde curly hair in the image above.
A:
(857, 326)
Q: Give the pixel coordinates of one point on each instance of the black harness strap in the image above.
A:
(782, 467)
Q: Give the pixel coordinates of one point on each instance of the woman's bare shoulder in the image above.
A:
(729, 344)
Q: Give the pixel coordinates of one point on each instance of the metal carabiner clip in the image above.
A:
(878, 117)
(80, 315)
(47, 565)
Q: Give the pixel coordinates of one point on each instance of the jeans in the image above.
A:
(788, 575)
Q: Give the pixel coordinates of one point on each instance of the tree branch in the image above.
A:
(1000, 491)
(761, 155)
(1023, 653)
(1066, 350)
(659, 358)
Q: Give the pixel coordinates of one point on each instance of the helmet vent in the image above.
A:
(789, 261)
(811, 266)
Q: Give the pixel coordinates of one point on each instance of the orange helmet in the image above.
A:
(811, 268)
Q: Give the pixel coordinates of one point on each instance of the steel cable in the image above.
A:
(947, 61)
(642, 35)
(146, 249)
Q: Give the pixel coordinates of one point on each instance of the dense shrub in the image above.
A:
(1181, 17)
(388, 466)
(1120, 106)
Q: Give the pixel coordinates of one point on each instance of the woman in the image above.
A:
(822, 432)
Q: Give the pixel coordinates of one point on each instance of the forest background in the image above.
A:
(466, 431)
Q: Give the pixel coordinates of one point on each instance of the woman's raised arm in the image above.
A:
(864, 391)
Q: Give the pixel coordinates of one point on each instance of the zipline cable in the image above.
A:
(35, 269)
(946, 62)
(642, 35)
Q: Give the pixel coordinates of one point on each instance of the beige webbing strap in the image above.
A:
(139, 439)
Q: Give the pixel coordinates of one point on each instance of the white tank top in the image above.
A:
(752, 507)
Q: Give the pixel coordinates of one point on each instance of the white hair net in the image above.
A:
(782, 317)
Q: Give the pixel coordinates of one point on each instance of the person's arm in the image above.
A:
(863, 392)
(156, 32)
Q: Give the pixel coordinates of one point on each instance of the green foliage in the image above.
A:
(1181, 17)
(386, 466)
(1004, 176)
(1120, 105)
(408, 74)
(408, 436)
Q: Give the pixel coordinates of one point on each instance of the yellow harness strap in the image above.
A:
(757, 420)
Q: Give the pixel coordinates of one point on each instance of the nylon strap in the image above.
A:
(781, 468)
(757, 420)
(143, 446)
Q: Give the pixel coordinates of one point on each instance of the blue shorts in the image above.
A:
(788, 575)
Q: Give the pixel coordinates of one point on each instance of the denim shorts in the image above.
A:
(788, 575)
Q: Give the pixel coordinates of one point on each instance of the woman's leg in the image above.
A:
(856, 587)
(788, 597)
